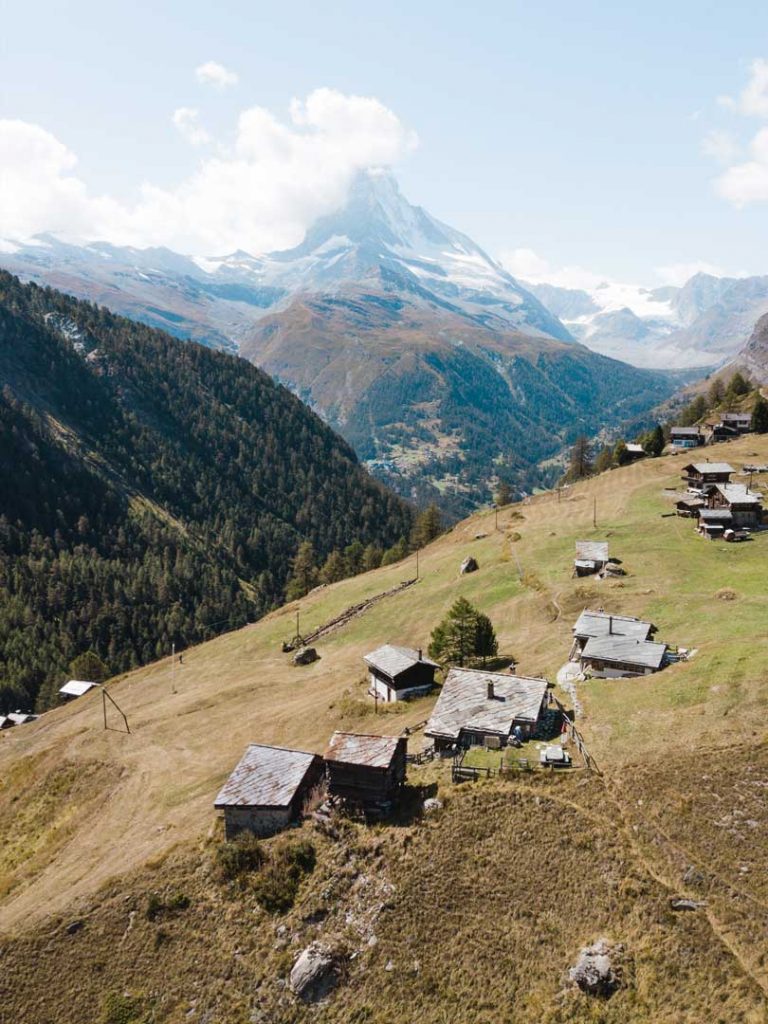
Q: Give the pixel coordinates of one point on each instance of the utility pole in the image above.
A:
(594, 511)
(173, 668)
(417, 563)
(496, 511)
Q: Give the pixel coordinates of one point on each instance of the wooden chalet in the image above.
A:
(478, 708)
(635, 452)
(267, 789)
(698, 475)
(713, 522)
(592, 625)
(690, 507)
(367, 771)
(399, 673)
(687, 437)
(745, 507)
(591, 557)
(615, 656)
(723, 432)
(741, 422)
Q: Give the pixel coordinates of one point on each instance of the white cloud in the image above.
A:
(212, 73)
(258, 191)
(753, 99)
(529, 266)
(721, 146)
(748, 182)
(187, 121)
(38, 191)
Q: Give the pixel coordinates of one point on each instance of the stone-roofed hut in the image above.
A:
(267, 789)
(399, 673)
(484, 708)
(365, 770)
(610, 657)
(591, 557)
(591, 624)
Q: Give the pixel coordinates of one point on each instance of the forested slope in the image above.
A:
(151, 491)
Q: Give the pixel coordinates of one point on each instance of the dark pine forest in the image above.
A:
(152, 491)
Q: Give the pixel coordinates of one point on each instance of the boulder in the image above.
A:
(305, 656)
(683, 903)
(431, 805)
(314, 974)
(469, 565)
(594, 972)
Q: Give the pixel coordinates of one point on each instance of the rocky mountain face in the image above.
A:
(703, 324)
(436, 364)
(754, 355)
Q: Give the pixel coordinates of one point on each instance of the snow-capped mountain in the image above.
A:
(436, 364)
(378, 239)
(702, 324)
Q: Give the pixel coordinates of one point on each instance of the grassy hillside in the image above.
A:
(493, 898)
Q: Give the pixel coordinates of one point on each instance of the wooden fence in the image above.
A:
(577, 739)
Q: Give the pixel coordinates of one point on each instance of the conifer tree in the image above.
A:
(760, 416)
(89, 667)
(654, 445)
(304, 569)
(504, 494)
(428, 525)
(580, 465)
(464, 634)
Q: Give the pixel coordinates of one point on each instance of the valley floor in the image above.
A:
(477, 912)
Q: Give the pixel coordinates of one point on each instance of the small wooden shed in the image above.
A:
(267, 789)
(399, 673)
(365, 770)
(591, 557)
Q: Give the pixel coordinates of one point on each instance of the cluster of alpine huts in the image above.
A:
(721, 509)
(271, 785)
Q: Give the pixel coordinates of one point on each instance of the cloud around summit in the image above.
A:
(257, 189)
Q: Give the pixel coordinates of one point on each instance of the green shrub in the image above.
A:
(278, 885)
(123, 1008)
(239, 857)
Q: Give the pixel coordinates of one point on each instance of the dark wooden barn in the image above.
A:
(365, 770)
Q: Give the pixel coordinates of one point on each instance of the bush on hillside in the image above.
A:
(278, 884)
(238, 857)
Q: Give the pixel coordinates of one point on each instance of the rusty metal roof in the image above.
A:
(464, 702)
(265, 777)
(362, 749)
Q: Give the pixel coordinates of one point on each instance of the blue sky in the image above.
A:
(573, 131)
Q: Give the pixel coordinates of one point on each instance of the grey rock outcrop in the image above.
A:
(595, 972)
(314, 974)
(305, 656)
(469, 565)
